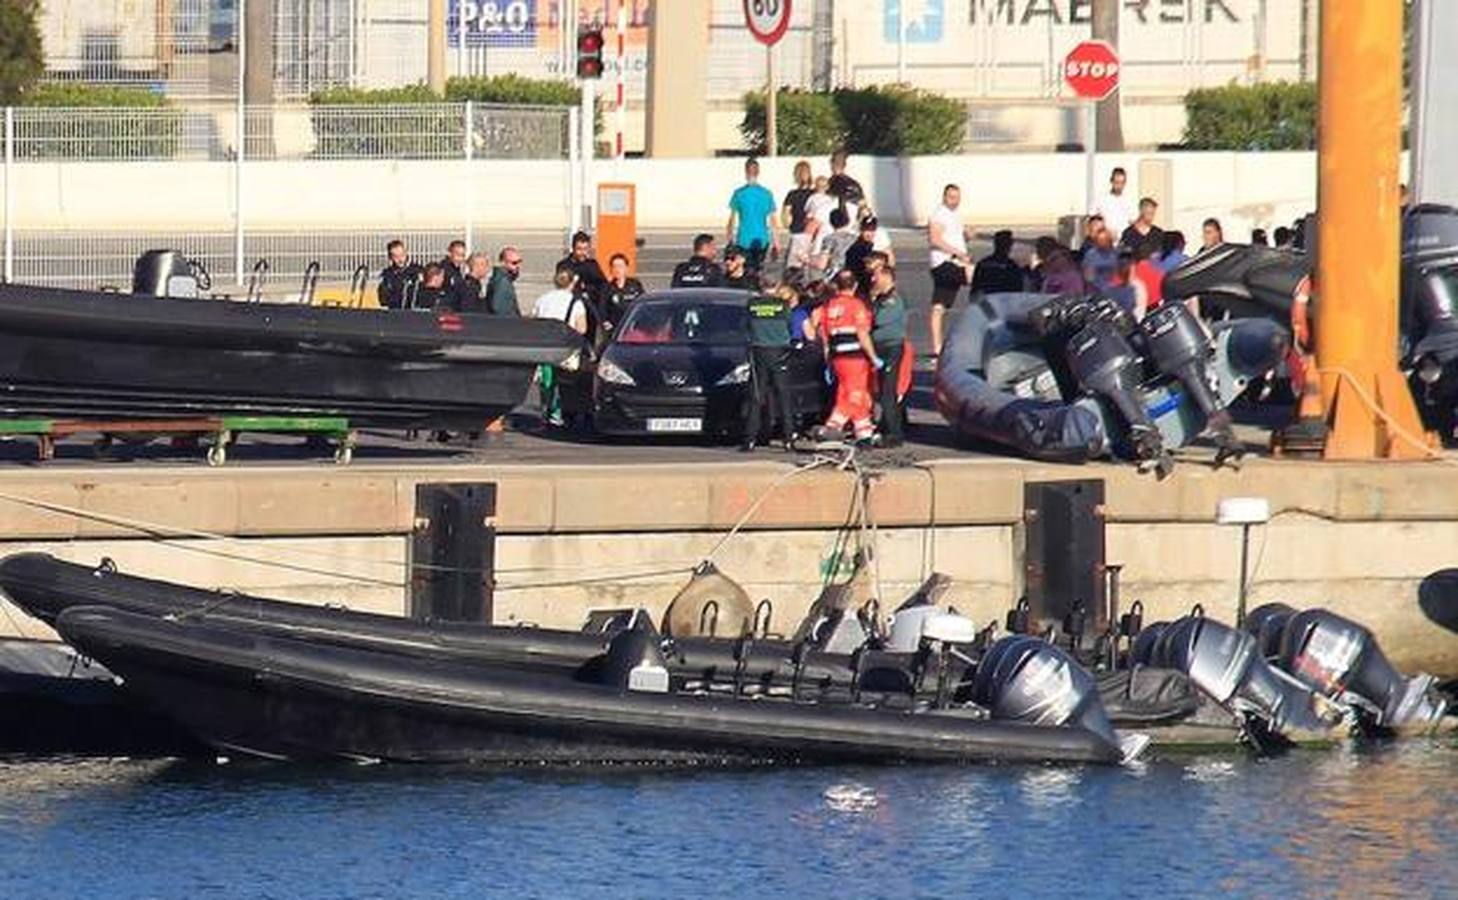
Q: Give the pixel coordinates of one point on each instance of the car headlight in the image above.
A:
(1429, 369)
(613, 373)
(737, 375)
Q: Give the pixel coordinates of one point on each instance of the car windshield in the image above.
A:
(684, 322)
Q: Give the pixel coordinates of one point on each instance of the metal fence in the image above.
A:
(223, 240)
(209, 132)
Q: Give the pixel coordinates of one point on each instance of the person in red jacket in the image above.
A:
(844, 324)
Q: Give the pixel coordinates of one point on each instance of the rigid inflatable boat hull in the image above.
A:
(80, 354)
(45, 587)
(288, 699)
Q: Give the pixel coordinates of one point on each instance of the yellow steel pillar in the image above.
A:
(1364, 397)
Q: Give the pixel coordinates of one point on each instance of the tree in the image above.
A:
(22, 58)
(1110, 138)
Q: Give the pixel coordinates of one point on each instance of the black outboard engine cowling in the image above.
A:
(1226, 664)
(634, 660)
(1180, 349)
(1335, 656)
(1267, 624)
(1025, 679)
(164, 273)
(1104, 362)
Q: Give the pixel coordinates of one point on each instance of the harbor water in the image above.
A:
(1363, 823)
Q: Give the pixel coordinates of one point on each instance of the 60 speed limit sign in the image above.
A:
(767, 19)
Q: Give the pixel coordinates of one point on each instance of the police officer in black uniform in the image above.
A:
(770, 345)
(398, 279)
(700, 270)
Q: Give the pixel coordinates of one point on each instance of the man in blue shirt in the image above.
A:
(751, 218)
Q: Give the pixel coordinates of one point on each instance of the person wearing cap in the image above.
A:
(737, 274)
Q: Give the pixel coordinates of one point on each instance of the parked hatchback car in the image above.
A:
(679, 365)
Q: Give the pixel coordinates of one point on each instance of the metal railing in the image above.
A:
(202, 132)
(223, 238)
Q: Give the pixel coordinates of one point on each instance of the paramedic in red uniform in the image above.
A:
(844, 323)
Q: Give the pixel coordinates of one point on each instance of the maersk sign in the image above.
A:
(1078, 12)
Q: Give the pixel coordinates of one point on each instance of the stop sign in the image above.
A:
(1092, 70)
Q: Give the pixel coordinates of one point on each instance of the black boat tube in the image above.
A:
(289, 699)
(45, 587)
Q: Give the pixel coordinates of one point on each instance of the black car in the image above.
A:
(679, 364)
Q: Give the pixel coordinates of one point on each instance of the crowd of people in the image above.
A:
(834, 285)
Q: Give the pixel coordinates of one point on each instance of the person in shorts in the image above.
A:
(951, 268)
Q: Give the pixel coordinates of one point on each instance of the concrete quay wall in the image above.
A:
(1356, 537)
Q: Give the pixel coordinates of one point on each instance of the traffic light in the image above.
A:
(589, 53)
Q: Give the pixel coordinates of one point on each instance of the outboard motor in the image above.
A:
(1179, 348)
(1267, 624)
(166, 273)
(634, 659)
(1340, 659)
(1104, 362)
(1226, 664)
(1025, 679)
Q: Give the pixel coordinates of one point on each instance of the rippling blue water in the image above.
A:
(1372, 823)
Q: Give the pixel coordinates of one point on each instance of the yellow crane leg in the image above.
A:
(1366, 402)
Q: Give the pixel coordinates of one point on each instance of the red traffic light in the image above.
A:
(590, 45)
(589, 41)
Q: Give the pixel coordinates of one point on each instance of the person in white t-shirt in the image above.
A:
(564, 305)
(951, 267)
(1115, 206)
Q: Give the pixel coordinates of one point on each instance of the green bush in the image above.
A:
(896, 120)
(438, 131)
(22, 56)
(513, 90)
(107, 126)
(808, 123)
(879, 121)
(1275, 116)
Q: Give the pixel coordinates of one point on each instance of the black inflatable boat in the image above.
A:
(69, 354)
(46, 587)
(288, 699)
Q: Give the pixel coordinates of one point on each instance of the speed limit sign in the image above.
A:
(767, 19)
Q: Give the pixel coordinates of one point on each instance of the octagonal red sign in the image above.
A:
(1092, 70)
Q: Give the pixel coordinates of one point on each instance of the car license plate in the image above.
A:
(677, 426)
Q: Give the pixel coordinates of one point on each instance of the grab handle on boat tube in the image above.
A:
(357, 283)
(107, 566)
(1197, 611)
(763, 613)
(741, 661)
(311, 283)
(709, 623)
(256, 279)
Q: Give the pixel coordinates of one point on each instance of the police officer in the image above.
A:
(433, 293)
(398, 278)
(770, 345)
(454, 264)
(700, 270)
(888, 336)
